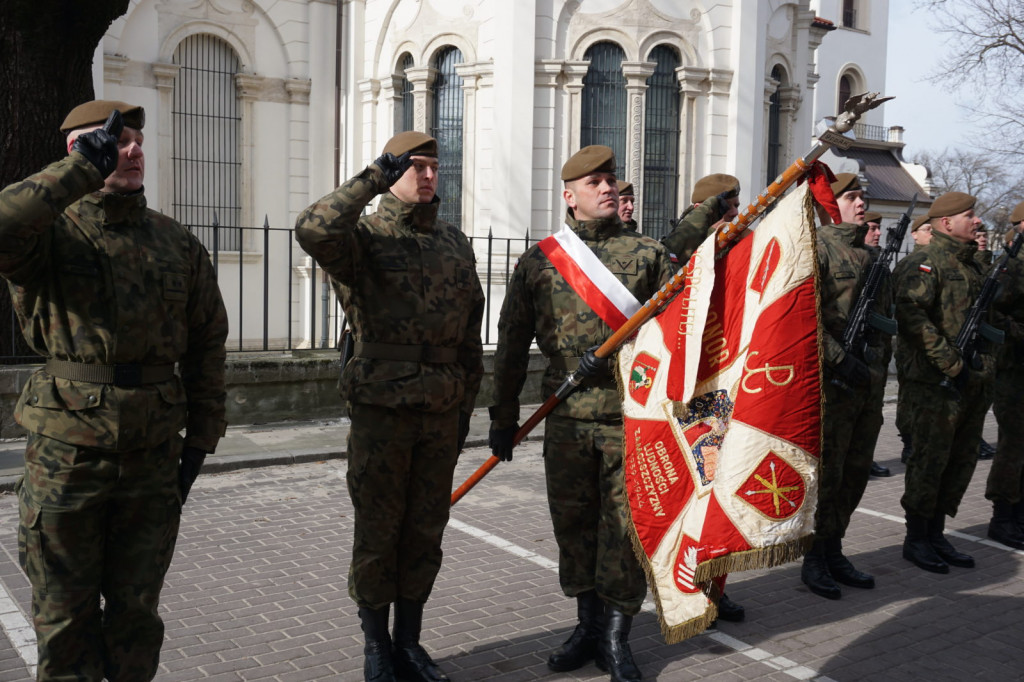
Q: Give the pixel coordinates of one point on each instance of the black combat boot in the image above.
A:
(879, 470)
(377, 665)
(730, 611)
(815, 573)
(905, 452)
(917, 549)
(1003, 527)
(582, 645)
(942, 547)
(616, 656)
(411, 660)
(840, 568)
(985, 450)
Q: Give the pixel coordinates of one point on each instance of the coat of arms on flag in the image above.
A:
(722, 417)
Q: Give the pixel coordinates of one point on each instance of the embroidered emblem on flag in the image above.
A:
(723, 435)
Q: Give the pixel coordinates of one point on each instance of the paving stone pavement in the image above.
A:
(257, 591)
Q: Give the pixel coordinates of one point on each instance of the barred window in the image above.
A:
(206, 125)
(661, 143)
(446, 128)
(406, 105)
(845, 91)
(603, 115)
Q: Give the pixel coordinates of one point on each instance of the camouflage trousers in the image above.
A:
(590, 513)
(1006, 478)
(851, 422)
(944, 437)
(400, 468)
(97, 523)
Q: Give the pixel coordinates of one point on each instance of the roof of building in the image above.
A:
(887, 179)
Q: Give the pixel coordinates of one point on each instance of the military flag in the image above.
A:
(721, 407)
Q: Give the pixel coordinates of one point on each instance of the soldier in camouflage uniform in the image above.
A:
(113, 295)
(921, 234)
(626, 202)
(714, 202)
(851, 421)
(408, 284)
(583, 434)
(946, 395)
(1005, 486)
(872, 237)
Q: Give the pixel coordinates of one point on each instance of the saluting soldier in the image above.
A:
(408, 284)
(714, 202)
(1005, 486)
(627, 200)
(850, 423)
(945, 395)
(112, 294)
(583, 434)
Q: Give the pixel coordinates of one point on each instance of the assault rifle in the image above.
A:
(863, 314)
(975, 328)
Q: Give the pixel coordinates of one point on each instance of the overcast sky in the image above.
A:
(929, 112)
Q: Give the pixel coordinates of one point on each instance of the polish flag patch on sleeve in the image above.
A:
(924, 268)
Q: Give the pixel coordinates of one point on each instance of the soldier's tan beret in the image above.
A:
(595, 158)
(845, 182)
(96, 112)
(413, 141)
(918, 222)
(872, 217)
(1018, 213)
(625, 188)
(713, 185)
(951, 203)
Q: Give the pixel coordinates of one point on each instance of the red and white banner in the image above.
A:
(722, 410)
(589, 277)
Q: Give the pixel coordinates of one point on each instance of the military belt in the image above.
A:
(128, 375)
(565, 363)
(400, 352)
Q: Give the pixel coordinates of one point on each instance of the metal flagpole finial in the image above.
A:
(854, 107)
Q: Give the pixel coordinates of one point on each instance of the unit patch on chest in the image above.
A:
(175, 286)
(624, 265)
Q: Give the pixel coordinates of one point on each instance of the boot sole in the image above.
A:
(1016, 544)
(931, 568)
(827, 594)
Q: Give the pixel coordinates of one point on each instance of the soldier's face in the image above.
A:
(593, 196)
(131, 163)
(852, 206)
(982, 239)
(922, 235)
(419, 183)
(962, 227)
(626, 207)
(734, 209)
(874, 234)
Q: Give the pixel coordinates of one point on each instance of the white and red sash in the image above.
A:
(589, 277)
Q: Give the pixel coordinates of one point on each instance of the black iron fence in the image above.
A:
(278, 299)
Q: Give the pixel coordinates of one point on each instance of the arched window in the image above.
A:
(206, 125)
(446, 128)
(406, 107)
(603, 116)
(845, 91)
(775, 126)
(661, 143)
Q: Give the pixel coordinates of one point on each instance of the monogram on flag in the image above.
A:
(722, 417)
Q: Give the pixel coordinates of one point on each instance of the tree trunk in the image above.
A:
(46, 53)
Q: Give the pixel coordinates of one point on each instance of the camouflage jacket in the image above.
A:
(1009, 306)
(403, 277)
(540, 303)
(935, 287)
(693, 228)
(842, 271)
(98, 278)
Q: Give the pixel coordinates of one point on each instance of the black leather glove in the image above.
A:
(853, 371)
(191, 462)
(501, 441)
(723, 202)
(99, 146)
(393, 166)
(463, 429)
(591, 365)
